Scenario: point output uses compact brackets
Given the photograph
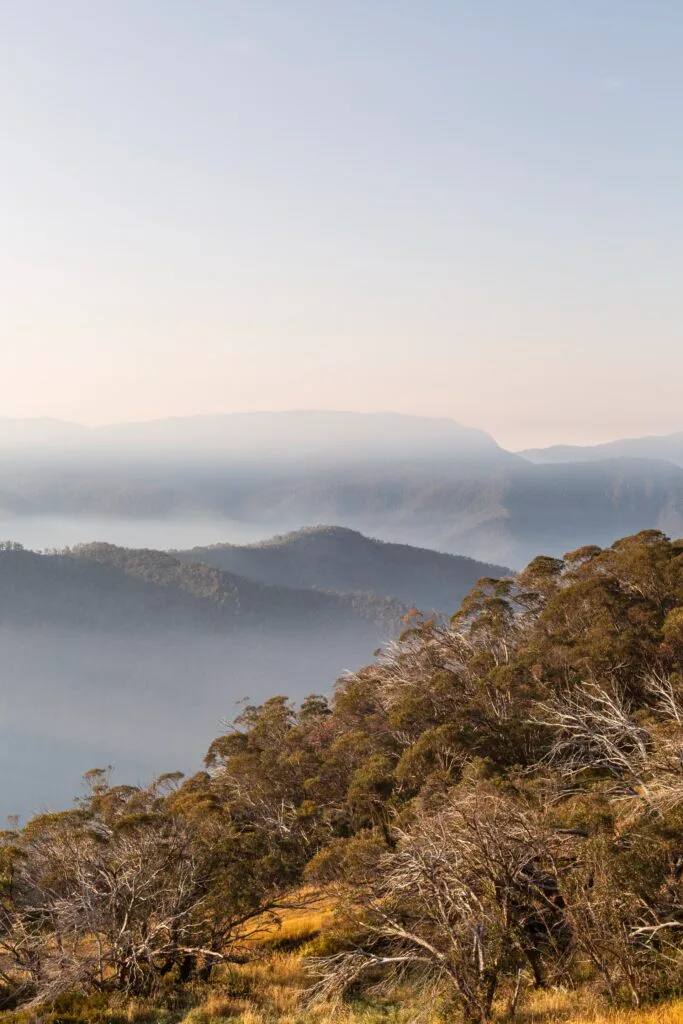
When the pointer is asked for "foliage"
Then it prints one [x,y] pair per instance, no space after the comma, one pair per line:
[107,587]
[496,803]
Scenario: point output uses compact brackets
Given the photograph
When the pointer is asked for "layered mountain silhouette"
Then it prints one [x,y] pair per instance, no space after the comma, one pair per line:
[112,647]
[411,480]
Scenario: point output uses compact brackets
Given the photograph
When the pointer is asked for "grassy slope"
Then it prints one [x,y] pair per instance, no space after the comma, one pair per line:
[271,990]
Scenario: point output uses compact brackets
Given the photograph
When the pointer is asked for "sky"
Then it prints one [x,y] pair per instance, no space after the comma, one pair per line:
[466,208]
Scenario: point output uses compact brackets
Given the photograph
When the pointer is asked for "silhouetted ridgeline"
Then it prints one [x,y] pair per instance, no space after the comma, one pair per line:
[98,642]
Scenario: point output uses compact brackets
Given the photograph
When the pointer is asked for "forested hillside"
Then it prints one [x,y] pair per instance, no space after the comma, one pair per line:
[342,560]
[493,808]
[109,587]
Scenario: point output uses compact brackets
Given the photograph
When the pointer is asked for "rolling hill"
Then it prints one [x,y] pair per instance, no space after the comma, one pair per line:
[342,560]
[101,586]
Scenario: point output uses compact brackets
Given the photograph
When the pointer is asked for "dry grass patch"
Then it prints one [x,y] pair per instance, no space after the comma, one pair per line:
[570,1007]
[292,927]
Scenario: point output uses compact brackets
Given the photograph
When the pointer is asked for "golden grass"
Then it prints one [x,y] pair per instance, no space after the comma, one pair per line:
[565,1007]
[294,926]
[276,989]
[300,926]
[271,993]
[271,989]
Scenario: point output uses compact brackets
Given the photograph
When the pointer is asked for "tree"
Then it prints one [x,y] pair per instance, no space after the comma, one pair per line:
[134,885]
[467,897]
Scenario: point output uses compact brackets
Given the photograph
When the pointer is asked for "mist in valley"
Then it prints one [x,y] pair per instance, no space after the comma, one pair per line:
[43,532]
[185,482]
[341,361]
[71,701]
[99,663]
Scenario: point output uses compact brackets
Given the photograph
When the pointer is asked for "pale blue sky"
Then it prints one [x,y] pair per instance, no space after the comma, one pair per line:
[470,208]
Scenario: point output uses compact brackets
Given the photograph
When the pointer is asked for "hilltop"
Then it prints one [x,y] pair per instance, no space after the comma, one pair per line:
[343,560]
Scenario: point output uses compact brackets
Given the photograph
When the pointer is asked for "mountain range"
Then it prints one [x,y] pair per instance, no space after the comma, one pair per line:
[421,481]
[327,437]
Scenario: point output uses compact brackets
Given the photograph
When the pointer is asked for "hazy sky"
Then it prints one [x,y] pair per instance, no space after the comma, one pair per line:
[470,208]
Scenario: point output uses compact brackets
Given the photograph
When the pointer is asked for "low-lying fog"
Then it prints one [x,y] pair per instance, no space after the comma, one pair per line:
[70,702]
[41,532]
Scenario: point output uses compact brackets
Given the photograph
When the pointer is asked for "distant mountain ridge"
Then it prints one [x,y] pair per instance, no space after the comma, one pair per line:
[343,560]
[664,446]
[262,435]
[421,481]
[315,431]
[110,650]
